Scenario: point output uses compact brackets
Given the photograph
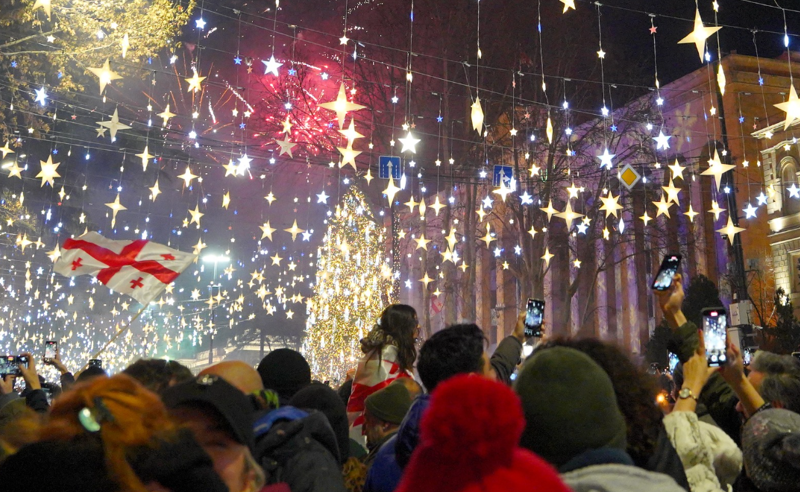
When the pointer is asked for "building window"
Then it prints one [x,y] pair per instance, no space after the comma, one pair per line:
[791,204]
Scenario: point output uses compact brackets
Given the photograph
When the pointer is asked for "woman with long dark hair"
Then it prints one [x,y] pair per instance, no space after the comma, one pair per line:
[389,353]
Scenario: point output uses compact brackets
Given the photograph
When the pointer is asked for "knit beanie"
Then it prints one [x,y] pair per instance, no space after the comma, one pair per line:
[389,404]
[771,448]
[317,396]
[285,371]
[469,438]
[570,406]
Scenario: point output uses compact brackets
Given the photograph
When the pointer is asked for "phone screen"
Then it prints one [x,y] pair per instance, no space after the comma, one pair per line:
[534,318]
[673,362]
[50,348]
[669,267]
[7,365]
[715,328]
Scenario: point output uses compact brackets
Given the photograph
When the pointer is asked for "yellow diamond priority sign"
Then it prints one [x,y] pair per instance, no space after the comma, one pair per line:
[629,176]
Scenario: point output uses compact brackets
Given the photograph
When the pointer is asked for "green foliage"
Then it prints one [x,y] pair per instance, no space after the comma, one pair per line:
[702,293]
[786,332]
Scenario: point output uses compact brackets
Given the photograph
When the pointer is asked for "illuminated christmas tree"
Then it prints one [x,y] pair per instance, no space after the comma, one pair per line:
[353,286]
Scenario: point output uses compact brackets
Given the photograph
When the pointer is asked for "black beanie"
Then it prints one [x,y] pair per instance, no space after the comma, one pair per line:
[285,371]
[570,406]
[318,396]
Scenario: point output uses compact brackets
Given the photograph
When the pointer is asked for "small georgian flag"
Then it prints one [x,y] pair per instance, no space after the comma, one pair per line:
[141,269]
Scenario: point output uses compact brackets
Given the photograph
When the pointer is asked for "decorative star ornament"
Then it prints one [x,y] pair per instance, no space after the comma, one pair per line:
[14,170]
[44,5]
[115,207]
[294,230]
[645,218]
[154,191]
[699,35]
[426,280]
[476,115]
[437,206]
[271,66]
[662,207]
[794,191]
[322,197]
[145,157]
[187,177]
[6,149]
[285,147]
[422,242]
[677,170]
[605,159]
[226,200]
[276,260]
[368,177]
[716,209]
[791,107]
[341,105]
[350,133]
[662,141]
[716,168]
[196,214]
[691,213]
[488,238]
[411,204]
[113,124]
[547,256]
[105,75]
[409,143]
[730,230]
[41,96]
[391,190]
[55,254]
[194,81]
[48,172]
[569,215]
[348,156]
[672,192]
[750,211]
[165,115]
[231,169]
[503,191]
[610,204]
[267,230]
[550,211]
[762,199]
[270,198]
[568,4]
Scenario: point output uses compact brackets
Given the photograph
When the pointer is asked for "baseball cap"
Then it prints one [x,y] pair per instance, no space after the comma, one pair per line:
[234,407]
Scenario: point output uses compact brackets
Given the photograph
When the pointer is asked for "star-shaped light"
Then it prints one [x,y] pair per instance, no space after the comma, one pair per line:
[662,141]
[348,156]
[270,198]
[105,75]
[6,149]
[196,214]
[569,215]
[577,263]
[48,172]
[200,23]
[750,211]
[730,230]
[14,170]
[437,205]
[715,209]
[487,202]
[267,230]
[409,143]
[601,53]
[699,35]
[532,231]
[194,81]
[605,159]
[794,191]
[306,236]
[691,213]
[145,157]
[44,5]
[187,177]
[341,106]
[791,107]
[287,125]
[350,133]
[271,65]
[165,115]
[672,192]
[645,218]
[488,238]
[568,4]
[294,230]
[716,168]
[391,190]
[762,198]
[344,39]
[322,197]
[526,198]
[411,204]
[226,200]
[368,177]
[55,254]
[422,242]
[550,211]
[677,170]
[611,204]
[154,191]
[547,256]
[113,124]
[276,260]
[41,96]
[426,280]
[115,207]
[534,170]
[476,115]
[285,147]
[503,191]
[662,207]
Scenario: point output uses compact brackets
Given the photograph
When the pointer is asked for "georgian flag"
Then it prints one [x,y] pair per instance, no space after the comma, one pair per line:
[141,269]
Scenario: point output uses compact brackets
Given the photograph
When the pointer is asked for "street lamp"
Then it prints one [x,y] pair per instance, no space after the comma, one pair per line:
[215,259]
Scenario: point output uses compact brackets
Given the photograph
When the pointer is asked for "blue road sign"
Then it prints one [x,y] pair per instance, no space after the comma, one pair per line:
[389,165]
[504,173]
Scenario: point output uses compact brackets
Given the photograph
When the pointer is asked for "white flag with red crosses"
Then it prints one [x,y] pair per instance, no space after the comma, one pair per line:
[141,269]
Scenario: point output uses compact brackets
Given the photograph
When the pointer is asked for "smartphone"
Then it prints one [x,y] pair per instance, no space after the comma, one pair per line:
[534,318]
[50,349]
[747,356]
[96,363]
[7,365]
[673,362]
[715,330]
[668,270]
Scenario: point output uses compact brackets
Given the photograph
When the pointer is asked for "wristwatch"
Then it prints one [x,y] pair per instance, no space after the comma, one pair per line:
[686,393]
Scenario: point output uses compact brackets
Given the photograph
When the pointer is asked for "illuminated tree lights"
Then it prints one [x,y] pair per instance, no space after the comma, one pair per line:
[352,287]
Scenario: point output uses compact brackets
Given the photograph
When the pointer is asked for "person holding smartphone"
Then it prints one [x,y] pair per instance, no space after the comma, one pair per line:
[35,398]
[67,378]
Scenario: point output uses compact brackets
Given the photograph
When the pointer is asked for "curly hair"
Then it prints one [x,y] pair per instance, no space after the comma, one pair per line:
[397,325]
[635,391]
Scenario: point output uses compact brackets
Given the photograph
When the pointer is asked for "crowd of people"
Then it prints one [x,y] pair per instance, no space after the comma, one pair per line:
[575,415]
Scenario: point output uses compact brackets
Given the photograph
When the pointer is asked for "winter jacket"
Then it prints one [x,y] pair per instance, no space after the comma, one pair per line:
[665,460]
[384,475]
[299,448]
[614,477]
[717,396]
[701,449]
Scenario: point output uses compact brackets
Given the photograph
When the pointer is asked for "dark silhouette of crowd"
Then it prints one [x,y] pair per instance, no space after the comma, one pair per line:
[444,416]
